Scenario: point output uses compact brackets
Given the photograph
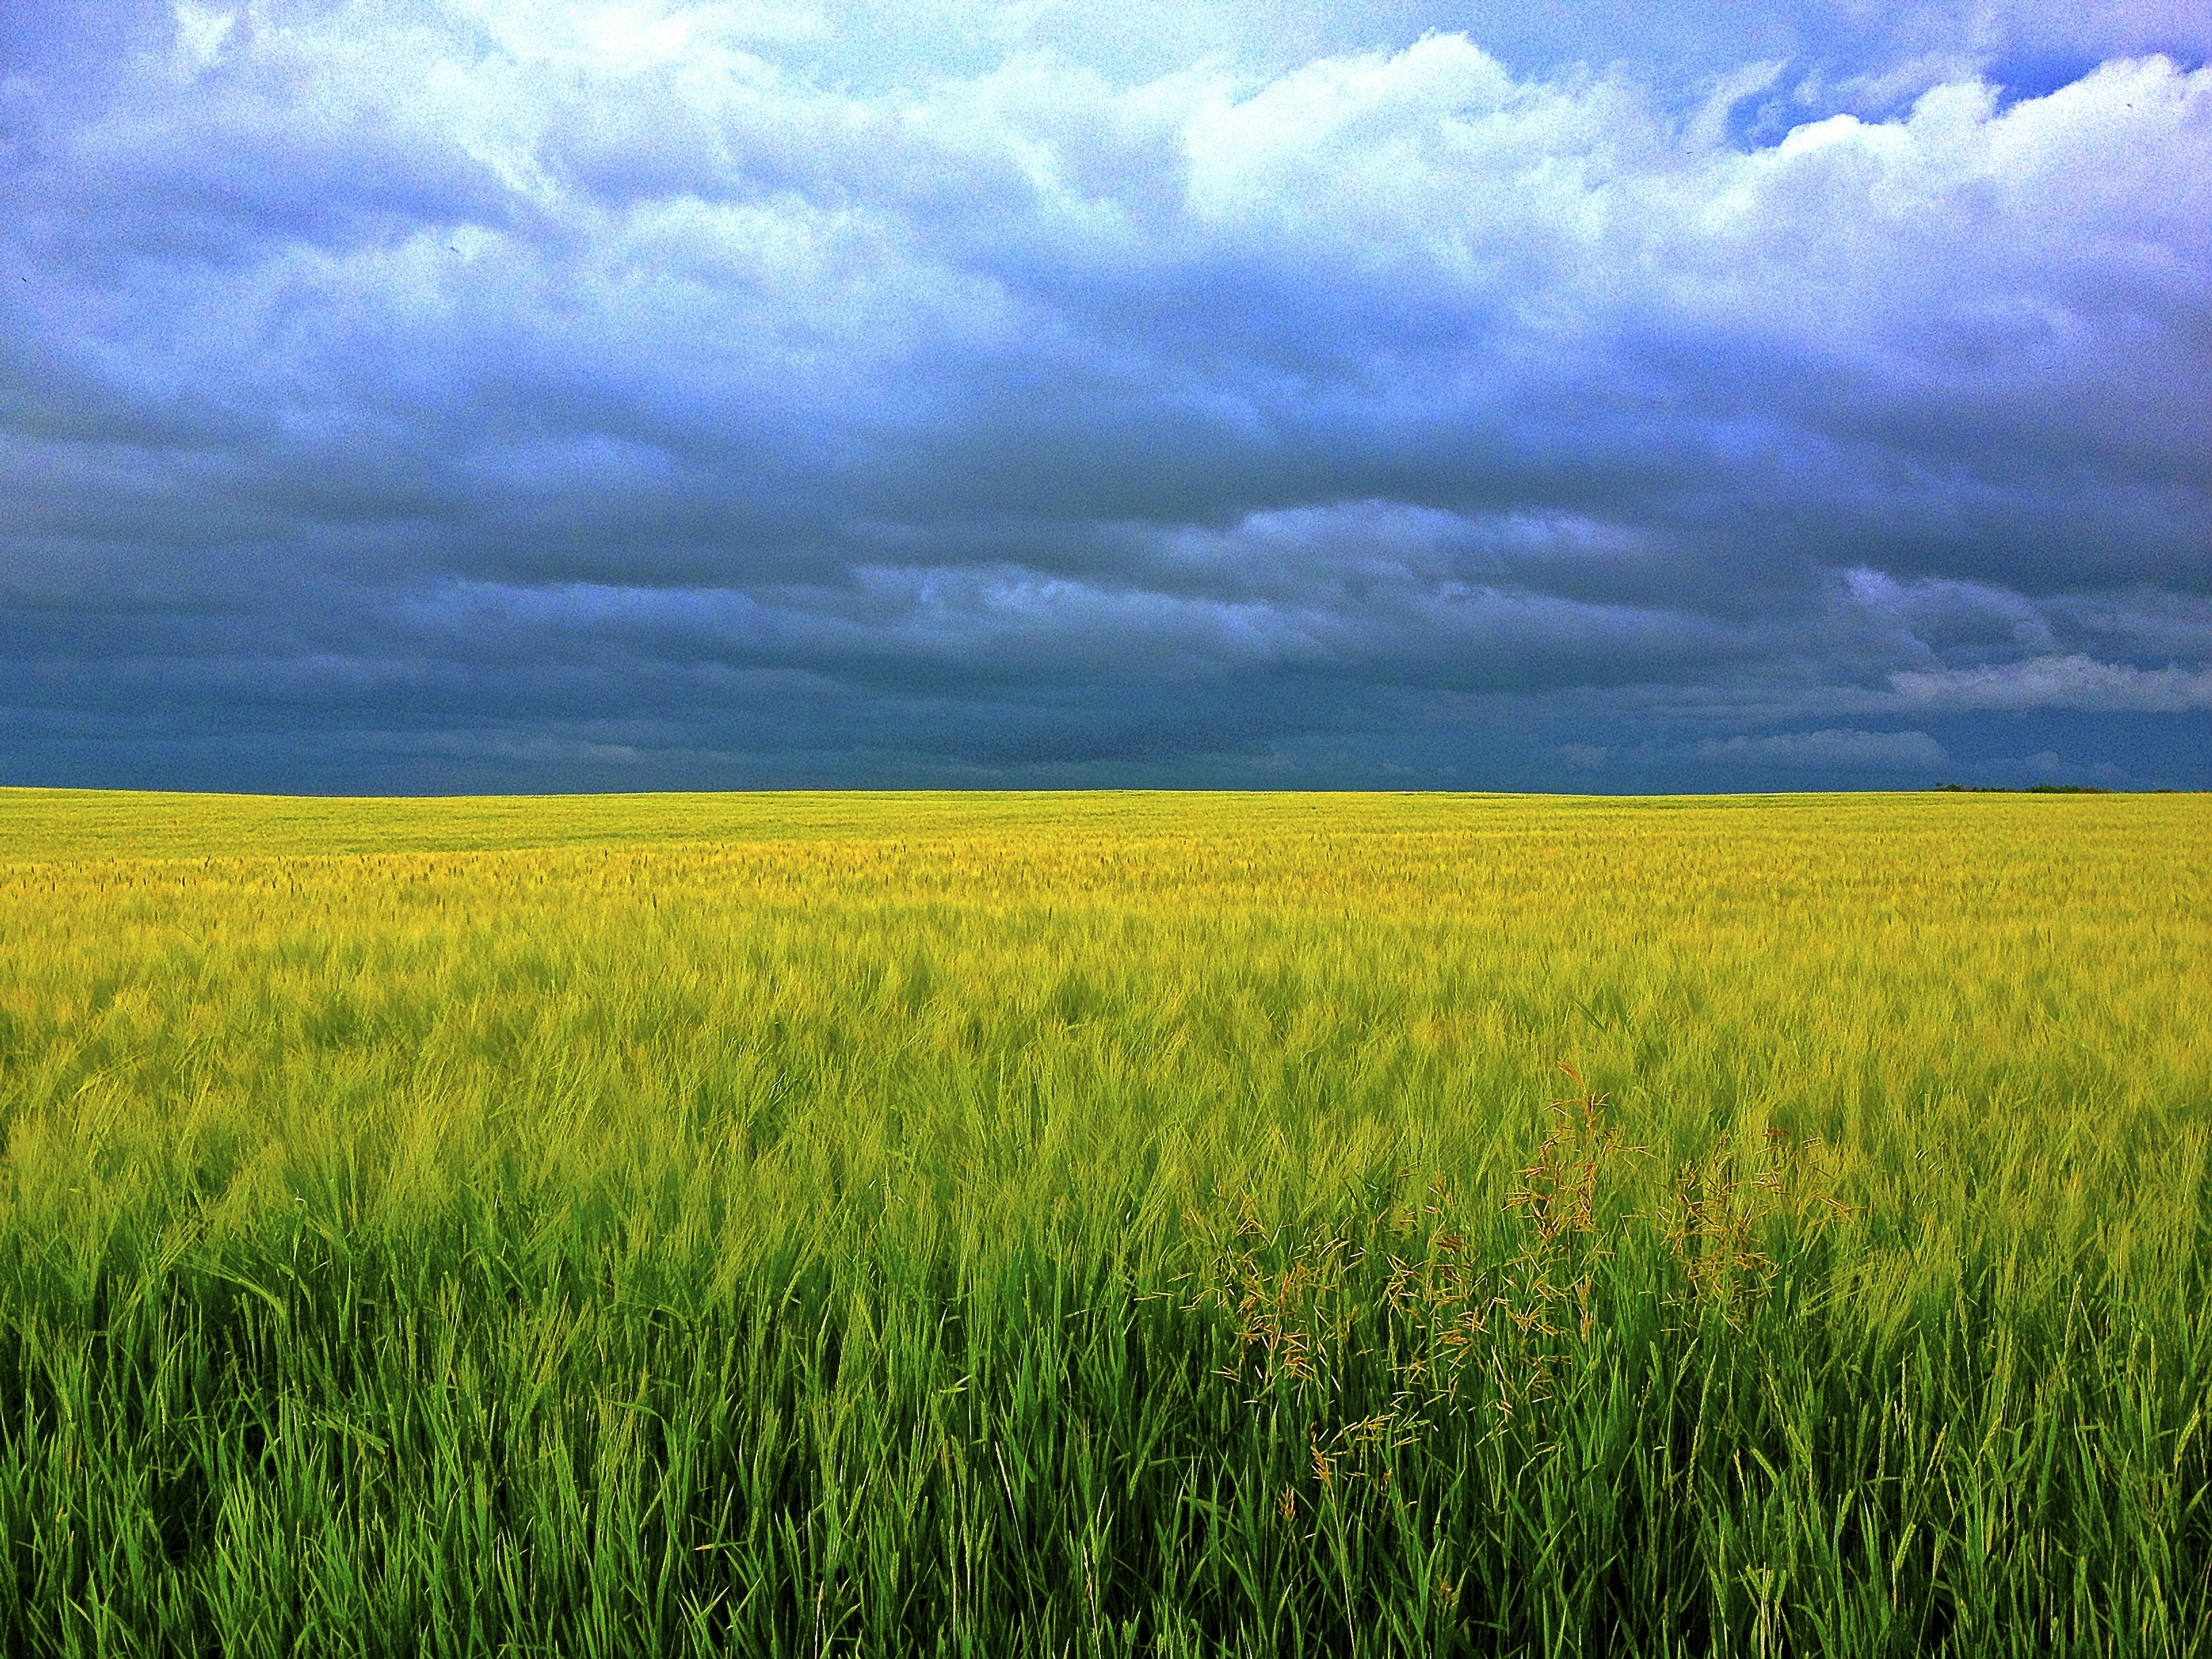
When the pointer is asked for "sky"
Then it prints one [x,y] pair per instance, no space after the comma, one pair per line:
[434,396]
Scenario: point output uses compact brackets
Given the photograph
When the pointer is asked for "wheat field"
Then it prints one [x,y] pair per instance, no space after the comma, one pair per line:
[1008,1225]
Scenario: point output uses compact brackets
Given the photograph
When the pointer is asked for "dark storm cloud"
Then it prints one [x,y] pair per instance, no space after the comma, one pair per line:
[641,393]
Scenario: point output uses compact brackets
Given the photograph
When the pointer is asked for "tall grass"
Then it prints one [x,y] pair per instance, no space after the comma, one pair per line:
[1105,1224]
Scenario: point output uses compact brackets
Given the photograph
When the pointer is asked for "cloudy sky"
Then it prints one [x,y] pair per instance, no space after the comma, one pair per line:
[425,395]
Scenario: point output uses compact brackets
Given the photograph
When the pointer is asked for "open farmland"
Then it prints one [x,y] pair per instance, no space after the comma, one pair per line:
[1102,1223]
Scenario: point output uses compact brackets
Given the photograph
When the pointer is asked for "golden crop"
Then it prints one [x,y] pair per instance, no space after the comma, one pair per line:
[1010,999]
[511,1062]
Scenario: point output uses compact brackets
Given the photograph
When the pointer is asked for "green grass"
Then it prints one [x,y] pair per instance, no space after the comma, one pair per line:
[1105,1224]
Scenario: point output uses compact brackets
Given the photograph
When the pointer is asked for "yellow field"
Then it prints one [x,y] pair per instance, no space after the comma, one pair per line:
[2019,980]
[518,1060]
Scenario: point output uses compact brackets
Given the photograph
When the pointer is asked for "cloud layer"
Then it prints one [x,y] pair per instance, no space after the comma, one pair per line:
[494,394]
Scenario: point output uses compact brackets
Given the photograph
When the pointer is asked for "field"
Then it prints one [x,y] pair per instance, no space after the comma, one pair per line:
[1105,1224]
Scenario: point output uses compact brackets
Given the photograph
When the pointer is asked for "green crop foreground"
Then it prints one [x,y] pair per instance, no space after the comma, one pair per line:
[1048,1224]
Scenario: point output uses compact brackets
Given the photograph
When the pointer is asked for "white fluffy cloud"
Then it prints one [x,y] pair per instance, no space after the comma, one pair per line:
[2069,681]
[1830,750]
